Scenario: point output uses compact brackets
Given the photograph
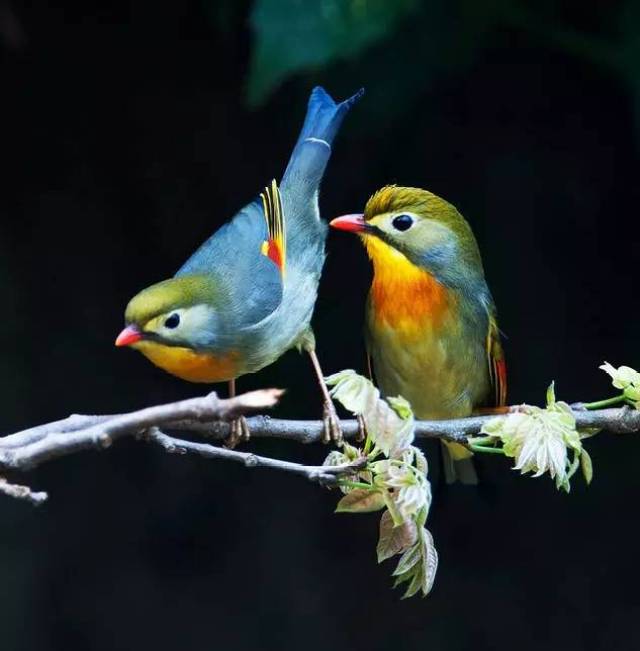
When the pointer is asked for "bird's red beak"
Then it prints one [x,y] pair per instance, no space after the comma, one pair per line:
[351,223]
[128,336]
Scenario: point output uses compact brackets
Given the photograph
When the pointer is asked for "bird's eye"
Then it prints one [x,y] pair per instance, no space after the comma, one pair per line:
[173,321]
[402,222]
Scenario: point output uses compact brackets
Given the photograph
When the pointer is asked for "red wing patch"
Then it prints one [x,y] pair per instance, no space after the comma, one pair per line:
[500,375]
[274,253]
[497,363]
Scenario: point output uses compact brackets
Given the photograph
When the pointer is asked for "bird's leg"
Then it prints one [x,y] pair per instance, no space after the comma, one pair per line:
[239,427]
[362,430]
[332,431]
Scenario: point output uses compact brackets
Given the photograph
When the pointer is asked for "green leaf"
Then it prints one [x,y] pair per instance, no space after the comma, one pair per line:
[551,395]
[387,430]
[392,508]
[586,466]
[401,578]
[421,461]
[424,571]
[350,452]
[335,378]
[292,36]
[401,407]
[421,517]
[394,540]
[588,432]
[408,560]
[335,458]
[539,439]
[429,560]
[564,485]
[494,426]
[414,586]
[379,467]
[418,565]
[361,500]
[354,392]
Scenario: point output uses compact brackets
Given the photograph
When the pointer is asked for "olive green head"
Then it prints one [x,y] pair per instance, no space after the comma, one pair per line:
[421,226]
[175,312]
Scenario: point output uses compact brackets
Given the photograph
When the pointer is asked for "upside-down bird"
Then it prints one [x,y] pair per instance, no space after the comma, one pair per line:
[247,294]
[430,324]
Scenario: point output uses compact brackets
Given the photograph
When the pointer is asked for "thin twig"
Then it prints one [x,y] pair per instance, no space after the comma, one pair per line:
[326,475]
[22,492]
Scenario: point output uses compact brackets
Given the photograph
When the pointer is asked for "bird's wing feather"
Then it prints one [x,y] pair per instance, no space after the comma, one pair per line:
[247,257]
[275,246]
[496,361]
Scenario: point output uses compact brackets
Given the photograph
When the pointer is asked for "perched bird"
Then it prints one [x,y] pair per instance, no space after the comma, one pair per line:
[247,294]
[430,324]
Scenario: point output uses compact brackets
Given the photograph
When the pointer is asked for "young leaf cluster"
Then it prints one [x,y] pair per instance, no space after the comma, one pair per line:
[394,480]
[547,440]
[541,440]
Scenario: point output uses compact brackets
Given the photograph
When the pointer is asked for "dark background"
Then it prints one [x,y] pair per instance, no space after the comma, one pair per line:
[128,133]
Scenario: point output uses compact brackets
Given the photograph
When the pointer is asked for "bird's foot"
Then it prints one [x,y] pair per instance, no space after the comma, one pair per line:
[331,424]
[239,433]
[362,430]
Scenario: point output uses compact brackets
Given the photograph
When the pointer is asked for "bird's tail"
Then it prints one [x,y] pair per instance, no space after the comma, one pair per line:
[313,149]
[458,464]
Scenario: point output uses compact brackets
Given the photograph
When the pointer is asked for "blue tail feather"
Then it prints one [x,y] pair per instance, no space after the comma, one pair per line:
[313,149]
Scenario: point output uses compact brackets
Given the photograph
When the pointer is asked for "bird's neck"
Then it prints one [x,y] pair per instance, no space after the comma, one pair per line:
[402,295]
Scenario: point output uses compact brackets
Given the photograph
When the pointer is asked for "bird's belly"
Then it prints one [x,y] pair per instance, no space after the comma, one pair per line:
[190,365]
[440,376]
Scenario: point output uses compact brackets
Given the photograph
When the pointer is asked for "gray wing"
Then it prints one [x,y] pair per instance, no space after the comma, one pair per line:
[250,282]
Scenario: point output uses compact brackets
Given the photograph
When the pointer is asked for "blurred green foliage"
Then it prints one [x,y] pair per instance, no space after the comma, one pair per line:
[297,35]
[402,45]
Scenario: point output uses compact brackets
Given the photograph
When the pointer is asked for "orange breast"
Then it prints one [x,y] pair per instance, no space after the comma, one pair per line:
[190,365]
[403,296]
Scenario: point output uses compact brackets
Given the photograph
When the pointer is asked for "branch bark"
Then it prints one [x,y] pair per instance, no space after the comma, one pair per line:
[619,421]
[209,416]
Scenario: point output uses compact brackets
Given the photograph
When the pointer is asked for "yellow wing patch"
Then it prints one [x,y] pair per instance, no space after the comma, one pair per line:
[275,247]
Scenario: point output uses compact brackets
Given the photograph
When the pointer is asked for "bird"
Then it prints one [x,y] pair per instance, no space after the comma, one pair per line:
[431,328]
[247,294]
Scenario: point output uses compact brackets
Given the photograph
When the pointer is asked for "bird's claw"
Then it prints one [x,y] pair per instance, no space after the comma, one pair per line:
[331,425]
[239,433]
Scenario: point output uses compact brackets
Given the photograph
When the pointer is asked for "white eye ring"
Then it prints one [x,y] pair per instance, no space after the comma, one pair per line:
[172,321]
[402,222]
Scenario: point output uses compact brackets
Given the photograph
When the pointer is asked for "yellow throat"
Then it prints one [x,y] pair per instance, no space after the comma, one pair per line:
[403,296]
[188,364]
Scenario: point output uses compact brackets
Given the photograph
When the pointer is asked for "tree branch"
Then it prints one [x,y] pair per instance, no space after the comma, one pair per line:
[619,421]
[210,416]
[24,450]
